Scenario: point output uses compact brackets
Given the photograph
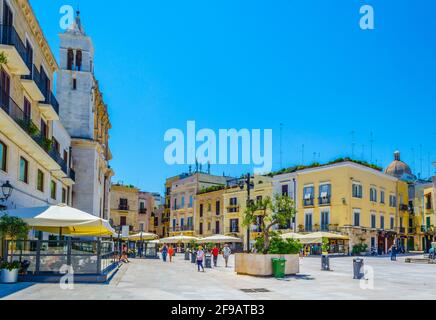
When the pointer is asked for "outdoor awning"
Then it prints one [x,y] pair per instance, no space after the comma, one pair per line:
[219,238]
[317,237]
[142,236]
[177,239]
[62,218]
[291,235]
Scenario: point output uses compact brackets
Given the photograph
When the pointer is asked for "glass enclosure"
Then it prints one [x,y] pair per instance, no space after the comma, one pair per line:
[47,256]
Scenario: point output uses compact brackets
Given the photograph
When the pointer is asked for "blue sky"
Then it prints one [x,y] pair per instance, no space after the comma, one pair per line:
[256,64]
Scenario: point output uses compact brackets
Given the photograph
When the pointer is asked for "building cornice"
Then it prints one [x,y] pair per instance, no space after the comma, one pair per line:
[37,32]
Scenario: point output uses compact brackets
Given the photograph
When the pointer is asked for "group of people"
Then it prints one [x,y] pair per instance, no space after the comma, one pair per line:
[200,255]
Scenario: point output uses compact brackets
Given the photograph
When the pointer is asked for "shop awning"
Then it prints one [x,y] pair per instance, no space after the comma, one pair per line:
[317,237]
[177,239]
[142,236]
[63,219]
[292,235]
[219,238]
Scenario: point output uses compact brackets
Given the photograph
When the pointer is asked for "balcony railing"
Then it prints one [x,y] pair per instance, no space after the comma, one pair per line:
[411,230]
[404,207]
[402,230]
[232,229]
[50,99]
[124,207]
[9,36]
[322,201]
[17,114]
[142,210]
[34,75]
[181,228]
[308,202]
[72,174]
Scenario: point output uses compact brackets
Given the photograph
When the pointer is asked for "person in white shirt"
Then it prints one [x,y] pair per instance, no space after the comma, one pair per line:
[200,257]
[226,253]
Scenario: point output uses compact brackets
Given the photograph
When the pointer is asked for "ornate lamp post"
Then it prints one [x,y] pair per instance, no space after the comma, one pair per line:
[7,189]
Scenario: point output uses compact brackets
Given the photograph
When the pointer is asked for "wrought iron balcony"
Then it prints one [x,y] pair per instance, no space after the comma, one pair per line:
[234,229]
[308,202]
[72,174]
[322,201]
[142,210]
[402,230]
[14,48]
[33,83]
[404,207]
[18,116]
[124,207]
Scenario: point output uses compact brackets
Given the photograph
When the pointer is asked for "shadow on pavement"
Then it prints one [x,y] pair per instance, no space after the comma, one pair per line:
[8,289]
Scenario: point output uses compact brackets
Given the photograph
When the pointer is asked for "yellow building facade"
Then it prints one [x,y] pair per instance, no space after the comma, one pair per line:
[235,203]
[124,204]
[366,204]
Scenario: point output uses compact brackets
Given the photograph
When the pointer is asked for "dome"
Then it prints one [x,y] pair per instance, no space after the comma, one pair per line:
[398,168]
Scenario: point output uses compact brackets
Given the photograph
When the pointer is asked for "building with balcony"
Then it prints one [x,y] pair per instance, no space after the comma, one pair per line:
[235,200]
[286,184]
[209,211]
[425,215]
[35,148]
[366,204]
[183,191]
[124,207]
[85,117]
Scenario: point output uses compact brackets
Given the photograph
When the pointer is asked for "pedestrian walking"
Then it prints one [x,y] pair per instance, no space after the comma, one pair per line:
[164,253]
[226,254]
[393,253]
[171,253]
[200,257]
[215,253]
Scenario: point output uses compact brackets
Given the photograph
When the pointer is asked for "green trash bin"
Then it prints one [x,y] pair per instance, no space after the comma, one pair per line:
[278,265]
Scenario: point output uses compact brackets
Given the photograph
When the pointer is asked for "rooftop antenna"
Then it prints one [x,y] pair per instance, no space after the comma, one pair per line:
[302,154]
[281,150]
[352,143]
[413,160]
[208,167]
[371,141]
[363,152]
[420,159]
[314,157]
[429,165]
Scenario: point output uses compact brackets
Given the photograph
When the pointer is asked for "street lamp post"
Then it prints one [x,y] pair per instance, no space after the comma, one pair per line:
[7,189]
[246,181]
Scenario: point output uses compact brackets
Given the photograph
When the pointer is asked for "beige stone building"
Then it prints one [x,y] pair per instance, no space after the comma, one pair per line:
[183,191]
[209,211]
[35,153]
[124,207]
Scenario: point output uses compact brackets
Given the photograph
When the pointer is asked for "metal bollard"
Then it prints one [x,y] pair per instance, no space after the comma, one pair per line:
[325,262]
[208,260]
[357,268]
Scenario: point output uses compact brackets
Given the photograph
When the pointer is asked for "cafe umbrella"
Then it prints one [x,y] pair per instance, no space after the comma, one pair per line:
[63,220]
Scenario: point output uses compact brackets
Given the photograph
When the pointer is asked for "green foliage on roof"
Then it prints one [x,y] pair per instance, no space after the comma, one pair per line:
[316,164]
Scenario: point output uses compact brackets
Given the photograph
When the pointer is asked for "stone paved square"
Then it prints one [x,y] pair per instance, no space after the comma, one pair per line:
[180,280]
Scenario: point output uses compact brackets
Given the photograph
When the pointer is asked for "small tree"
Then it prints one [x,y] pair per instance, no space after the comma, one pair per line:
[13,228]
[271,212]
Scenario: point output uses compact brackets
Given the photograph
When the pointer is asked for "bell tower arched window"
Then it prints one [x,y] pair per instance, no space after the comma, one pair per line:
[70,59]
[79,60]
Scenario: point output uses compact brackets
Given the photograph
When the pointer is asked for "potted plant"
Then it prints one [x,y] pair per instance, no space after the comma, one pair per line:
[267,213]
[11,228]
[3,58]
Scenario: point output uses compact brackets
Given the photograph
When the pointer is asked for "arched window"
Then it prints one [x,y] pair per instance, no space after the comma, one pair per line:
[70,59]
[79,60]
